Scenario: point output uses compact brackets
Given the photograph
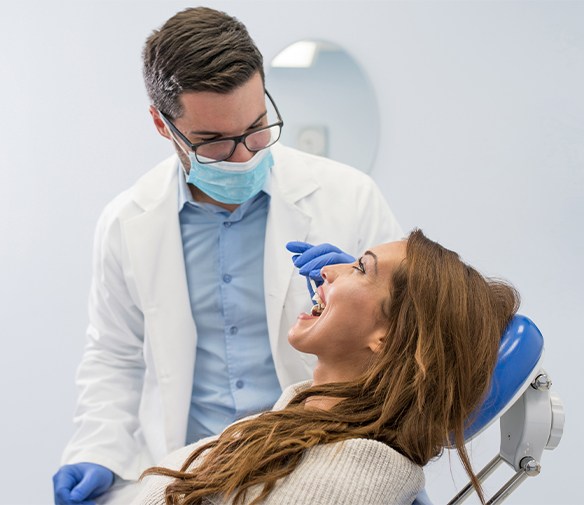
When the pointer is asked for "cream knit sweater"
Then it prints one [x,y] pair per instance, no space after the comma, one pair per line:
[352,472]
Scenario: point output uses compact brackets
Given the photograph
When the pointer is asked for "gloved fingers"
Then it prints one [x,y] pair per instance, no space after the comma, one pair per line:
[84,502]
[63,496]
[95,481]
[316,277]
[314,252]
[63,482]
[298,247]
[82,490]
[104,479]
[317,263]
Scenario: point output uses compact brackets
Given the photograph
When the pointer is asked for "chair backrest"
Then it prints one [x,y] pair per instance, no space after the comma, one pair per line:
[519,361]
[530,415]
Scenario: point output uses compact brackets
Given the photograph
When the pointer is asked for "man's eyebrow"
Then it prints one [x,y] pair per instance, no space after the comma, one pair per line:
[374,256]
[219,134]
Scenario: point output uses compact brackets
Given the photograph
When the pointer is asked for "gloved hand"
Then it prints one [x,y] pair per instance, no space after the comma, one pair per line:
[78,484]
[309,259]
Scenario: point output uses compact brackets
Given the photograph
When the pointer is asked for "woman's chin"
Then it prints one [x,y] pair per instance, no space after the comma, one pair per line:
[300,330]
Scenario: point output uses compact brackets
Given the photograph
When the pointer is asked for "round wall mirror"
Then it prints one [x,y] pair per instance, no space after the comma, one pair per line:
[327,103]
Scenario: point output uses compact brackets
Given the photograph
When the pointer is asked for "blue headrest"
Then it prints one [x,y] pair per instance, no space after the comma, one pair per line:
[519,353]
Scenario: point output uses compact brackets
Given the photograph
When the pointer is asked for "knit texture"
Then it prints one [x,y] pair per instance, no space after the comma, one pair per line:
[352,472]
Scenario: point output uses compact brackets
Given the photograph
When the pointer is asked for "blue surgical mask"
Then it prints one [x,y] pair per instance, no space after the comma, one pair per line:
[230,182]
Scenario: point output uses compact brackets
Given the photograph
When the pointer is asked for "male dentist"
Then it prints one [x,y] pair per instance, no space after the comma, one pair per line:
[193,291]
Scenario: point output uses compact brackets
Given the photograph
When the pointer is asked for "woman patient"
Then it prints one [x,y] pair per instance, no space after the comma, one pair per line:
[406,343]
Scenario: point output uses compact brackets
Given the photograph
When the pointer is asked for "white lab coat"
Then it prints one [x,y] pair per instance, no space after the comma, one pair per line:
[135,378]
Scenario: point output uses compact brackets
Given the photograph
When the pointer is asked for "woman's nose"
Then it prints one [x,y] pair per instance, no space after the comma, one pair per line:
[329,272]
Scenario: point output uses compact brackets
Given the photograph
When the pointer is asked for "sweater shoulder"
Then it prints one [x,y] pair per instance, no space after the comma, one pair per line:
[351,471]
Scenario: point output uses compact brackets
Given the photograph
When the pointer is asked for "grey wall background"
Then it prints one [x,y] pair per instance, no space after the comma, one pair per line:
[481,126]
[335,94]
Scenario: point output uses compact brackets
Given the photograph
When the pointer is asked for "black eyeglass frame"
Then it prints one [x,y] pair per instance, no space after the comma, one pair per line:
[239,139]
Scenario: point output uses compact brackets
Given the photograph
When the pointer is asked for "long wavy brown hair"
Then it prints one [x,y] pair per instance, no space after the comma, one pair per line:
[444,324]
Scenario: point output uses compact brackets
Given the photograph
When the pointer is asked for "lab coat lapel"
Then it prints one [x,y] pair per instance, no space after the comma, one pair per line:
[155,249]
[286,222]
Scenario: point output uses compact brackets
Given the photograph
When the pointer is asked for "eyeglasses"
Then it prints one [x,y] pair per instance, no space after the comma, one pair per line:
[222,149]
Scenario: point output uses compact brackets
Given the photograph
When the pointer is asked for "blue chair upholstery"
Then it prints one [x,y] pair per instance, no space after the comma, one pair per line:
[520,351]
[530,415]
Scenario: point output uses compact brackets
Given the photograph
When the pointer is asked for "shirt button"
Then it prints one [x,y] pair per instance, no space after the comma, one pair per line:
[227,224]
[239,384]
[233,330]
[227,278]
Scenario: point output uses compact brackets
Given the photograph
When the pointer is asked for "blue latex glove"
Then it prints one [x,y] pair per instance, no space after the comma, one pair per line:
[309,259]
[78,484]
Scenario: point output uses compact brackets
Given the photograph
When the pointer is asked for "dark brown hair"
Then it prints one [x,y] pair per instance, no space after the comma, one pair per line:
[198,49]
[444,324]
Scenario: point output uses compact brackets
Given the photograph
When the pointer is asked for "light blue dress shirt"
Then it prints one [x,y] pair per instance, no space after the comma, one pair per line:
[224,258]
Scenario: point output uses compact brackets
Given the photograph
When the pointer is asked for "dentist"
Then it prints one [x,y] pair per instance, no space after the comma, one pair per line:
[193,291]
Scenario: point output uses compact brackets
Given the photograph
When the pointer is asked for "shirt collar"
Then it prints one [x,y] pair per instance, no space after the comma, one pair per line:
[184,193]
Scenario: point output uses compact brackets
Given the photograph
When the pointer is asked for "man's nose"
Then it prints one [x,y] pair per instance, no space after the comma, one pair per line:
[241,154]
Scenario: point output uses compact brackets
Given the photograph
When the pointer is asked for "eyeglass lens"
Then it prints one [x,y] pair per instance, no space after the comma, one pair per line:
[256,141]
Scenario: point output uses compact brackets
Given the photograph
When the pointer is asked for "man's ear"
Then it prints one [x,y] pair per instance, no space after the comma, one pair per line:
[159,123]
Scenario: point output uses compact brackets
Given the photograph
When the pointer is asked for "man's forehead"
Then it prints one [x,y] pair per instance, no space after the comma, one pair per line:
[210,110]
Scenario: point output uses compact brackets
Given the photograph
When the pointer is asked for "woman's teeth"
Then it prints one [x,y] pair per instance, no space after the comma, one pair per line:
[318,307]
[317,310]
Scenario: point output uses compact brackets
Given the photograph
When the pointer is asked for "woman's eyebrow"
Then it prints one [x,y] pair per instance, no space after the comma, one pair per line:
[374,256]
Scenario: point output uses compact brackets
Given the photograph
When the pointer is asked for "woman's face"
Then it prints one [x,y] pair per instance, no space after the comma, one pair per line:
[352,325]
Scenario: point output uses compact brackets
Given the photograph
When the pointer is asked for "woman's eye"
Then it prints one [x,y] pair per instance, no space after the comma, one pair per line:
[361,267]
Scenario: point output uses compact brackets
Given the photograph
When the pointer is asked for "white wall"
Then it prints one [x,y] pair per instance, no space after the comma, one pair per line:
[482,116]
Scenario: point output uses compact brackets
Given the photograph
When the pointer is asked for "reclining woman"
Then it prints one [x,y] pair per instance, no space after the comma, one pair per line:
[408,335]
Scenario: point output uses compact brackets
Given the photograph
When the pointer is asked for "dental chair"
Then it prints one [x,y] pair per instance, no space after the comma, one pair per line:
[531,417]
